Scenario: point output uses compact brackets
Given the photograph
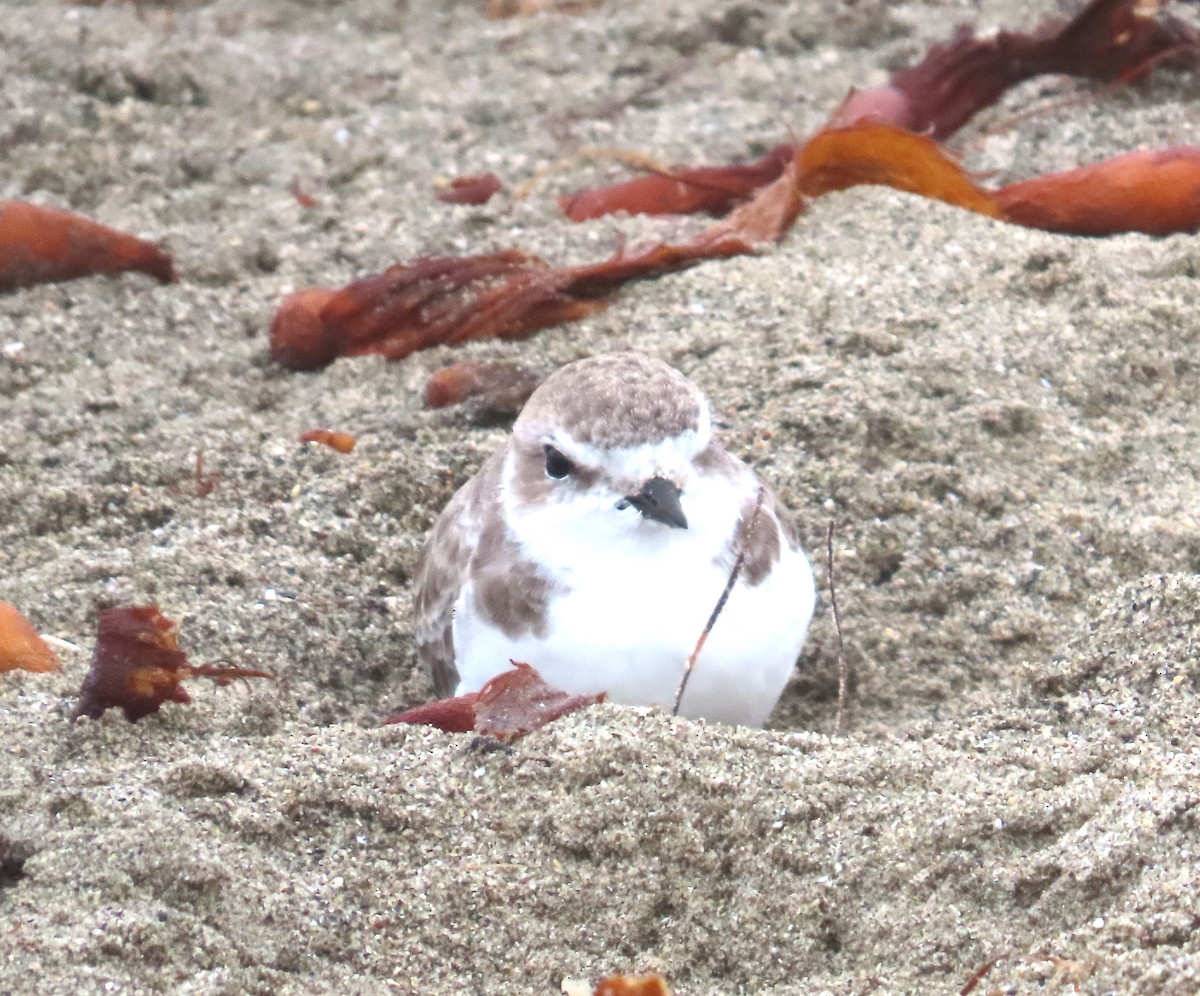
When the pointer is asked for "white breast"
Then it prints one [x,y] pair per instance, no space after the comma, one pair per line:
[638,594]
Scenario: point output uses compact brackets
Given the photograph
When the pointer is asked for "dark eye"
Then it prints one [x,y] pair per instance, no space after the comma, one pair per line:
[557,465]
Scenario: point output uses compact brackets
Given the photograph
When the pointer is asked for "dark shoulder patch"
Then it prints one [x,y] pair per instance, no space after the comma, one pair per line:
[762,545]
[774,527]
[509,590]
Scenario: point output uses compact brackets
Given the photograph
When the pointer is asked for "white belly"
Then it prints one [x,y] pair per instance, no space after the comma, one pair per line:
[632,616]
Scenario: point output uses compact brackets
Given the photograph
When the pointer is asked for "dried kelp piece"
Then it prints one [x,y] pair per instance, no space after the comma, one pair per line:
[1114,40]
[511,294]
[478,188]
[686,190]
[137,665]
[1156,191]
[1107,40]
[506,295]
[511,705]
[299,339]
[497,389]
[342,442]
[21,648]
[423,303]
[44,245]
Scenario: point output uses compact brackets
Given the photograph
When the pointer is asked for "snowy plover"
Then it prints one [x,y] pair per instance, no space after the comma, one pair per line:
[595,542]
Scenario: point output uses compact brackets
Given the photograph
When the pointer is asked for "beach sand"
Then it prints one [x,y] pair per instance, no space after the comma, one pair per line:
[1004,425]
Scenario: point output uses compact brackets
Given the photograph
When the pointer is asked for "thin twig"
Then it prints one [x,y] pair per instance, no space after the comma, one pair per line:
[837,622]
[733,576]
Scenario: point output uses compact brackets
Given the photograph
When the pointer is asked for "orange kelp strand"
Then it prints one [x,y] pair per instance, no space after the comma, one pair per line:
[1154,191]
[44,245]
[873,153]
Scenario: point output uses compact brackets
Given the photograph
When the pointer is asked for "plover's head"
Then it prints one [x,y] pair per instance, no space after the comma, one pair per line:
[611,444]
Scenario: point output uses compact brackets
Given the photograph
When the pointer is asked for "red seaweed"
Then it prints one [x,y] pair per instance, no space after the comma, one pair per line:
[137,665]
[423,303]
[1156,191]
[507,295]
[872,139]
[1108,40]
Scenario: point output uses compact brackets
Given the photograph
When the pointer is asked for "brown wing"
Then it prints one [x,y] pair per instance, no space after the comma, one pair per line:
[443,569]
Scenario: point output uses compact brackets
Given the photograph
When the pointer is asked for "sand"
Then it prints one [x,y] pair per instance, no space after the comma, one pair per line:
[1004,425]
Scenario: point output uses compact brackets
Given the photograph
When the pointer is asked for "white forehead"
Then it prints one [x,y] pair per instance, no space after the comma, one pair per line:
[669,457]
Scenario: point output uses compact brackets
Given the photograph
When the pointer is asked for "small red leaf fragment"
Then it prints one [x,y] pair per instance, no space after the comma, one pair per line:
[137,665]
[1153,191]
[498,388]
[511,705]
[44,245]
[20,645]
[343,442]
[299,190]
[518,702]
[632,985]
[478,188]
